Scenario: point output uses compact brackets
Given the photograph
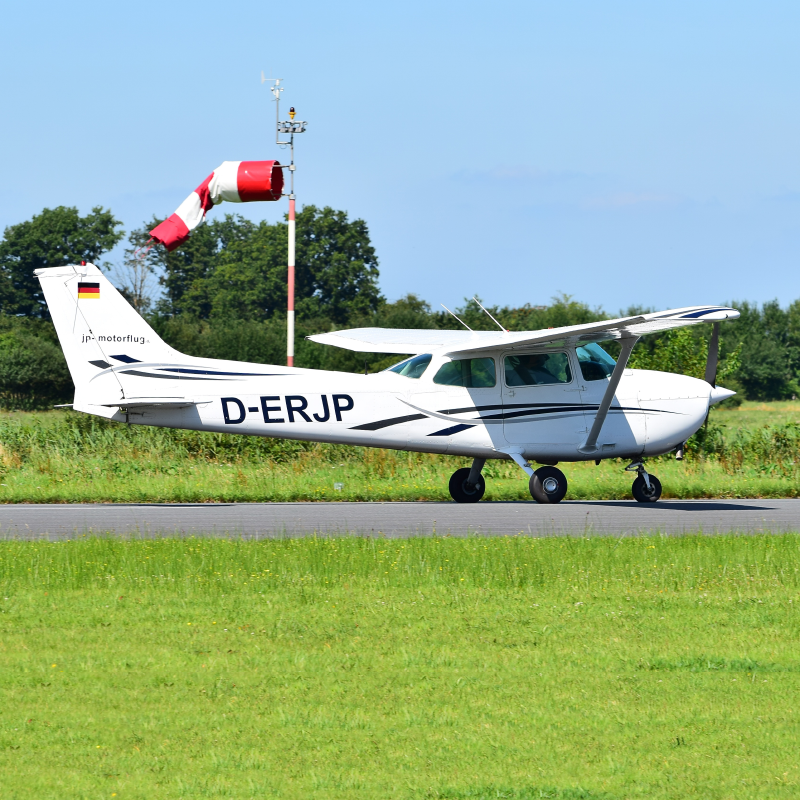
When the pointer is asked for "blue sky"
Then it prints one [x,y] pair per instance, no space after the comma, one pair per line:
[621,152]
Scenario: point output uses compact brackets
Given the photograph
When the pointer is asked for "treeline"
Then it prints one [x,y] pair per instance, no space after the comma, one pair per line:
[223,295]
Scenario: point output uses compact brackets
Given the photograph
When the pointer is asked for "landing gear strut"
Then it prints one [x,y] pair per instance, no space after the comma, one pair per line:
[468,485]
[646,488]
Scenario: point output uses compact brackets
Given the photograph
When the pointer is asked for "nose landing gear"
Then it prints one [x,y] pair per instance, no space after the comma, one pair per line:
[646,488]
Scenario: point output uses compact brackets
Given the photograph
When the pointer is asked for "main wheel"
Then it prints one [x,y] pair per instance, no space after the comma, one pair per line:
[462,491]
[548,485]
[644,495]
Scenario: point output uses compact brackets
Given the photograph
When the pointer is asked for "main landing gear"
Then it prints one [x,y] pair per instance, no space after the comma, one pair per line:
[548,485]
[468,485]
[646,488]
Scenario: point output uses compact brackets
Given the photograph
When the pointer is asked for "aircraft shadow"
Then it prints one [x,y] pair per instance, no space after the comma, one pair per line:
[671,505]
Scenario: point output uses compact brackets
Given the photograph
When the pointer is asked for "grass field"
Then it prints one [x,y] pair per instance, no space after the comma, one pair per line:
[756,415]
[427,668]
[56,457]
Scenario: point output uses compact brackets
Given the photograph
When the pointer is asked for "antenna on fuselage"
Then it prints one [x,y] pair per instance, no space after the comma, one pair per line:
[505,330]
[460,320]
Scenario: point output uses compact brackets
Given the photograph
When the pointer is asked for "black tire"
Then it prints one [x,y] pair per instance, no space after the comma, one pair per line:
[641,493]
[464,492]
[548,485]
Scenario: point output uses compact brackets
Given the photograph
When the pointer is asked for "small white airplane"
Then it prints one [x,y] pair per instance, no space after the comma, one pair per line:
[531,396]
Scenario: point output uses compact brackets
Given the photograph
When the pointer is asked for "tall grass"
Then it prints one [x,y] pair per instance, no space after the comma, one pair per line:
[593,565]
[772,448]
[71,457]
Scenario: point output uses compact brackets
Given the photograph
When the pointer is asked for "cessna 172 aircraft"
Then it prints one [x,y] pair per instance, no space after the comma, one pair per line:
[530,396]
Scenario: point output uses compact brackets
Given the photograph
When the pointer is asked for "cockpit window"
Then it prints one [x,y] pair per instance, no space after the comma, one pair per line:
[412,367]
[473,373]
[595,363]
[536,369]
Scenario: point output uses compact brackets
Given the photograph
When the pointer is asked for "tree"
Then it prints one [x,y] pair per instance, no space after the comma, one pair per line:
[770,349]
[54,238]
[407,312]
[685,351]
[135,274]
[338,275]
[33,371]
[185,273]
[236,269]
[562,311]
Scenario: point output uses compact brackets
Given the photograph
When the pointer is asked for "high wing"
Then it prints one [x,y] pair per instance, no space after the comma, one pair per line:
[412,342]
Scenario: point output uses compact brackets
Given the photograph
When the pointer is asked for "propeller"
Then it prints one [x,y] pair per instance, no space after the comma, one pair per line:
[711,378]
[713,356]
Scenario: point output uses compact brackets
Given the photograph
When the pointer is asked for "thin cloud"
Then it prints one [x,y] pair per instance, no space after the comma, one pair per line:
[786,197]
[522,175]
[631,199]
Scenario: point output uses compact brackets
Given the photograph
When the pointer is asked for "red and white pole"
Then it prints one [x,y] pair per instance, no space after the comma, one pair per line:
[290,311]
[291,128]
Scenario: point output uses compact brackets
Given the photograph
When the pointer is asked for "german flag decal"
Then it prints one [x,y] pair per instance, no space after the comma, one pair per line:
[88,291]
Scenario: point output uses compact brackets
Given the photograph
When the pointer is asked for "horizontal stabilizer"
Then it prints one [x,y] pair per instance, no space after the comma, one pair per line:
[146,402]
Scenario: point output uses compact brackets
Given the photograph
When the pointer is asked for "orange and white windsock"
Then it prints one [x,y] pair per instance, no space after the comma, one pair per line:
[234,181]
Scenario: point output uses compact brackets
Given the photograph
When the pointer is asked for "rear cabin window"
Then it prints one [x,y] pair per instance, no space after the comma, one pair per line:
[537,369]
[595,363]
[412,367]
[472,373]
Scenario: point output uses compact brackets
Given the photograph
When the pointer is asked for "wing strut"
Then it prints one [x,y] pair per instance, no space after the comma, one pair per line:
[590,445]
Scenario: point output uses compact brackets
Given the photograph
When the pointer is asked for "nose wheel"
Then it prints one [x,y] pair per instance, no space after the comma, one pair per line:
[548,485]
[646,488]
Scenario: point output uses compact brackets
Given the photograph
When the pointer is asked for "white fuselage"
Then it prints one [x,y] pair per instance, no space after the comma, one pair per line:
[652,412]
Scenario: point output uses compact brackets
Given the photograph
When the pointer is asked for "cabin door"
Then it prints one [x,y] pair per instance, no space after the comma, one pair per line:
[541,400]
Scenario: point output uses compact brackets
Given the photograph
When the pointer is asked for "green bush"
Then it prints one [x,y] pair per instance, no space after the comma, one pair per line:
[773,448]
[33,371]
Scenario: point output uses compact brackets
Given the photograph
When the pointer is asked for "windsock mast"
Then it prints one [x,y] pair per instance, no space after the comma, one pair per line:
[291,128]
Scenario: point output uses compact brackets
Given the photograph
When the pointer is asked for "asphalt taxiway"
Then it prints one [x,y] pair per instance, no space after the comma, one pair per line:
[272,520]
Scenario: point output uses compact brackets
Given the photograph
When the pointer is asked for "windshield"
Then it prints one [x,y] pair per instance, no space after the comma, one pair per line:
[412,367]
[595,363]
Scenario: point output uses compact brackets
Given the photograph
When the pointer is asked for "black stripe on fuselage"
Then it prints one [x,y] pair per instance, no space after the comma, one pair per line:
[527,409]
[201,376]
[209,372]
[125,359]
[385,423]
[452,430]
[140,374]
[533,412]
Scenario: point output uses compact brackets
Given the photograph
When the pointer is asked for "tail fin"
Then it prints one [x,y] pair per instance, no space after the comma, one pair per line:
[98,329]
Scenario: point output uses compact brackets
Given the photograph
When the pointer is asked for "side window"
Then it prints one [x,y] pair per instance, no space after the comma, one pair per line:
[412,367]
[537,369]
[595,363]
[473,373]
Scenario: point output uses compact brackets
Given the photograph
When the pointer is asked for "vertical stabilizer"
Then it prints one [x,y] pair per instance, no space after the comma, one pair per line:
[98,329]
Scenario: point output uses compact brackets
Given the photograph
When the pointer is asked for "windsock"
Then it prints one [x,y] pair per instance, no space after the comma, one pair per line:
[234,181]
